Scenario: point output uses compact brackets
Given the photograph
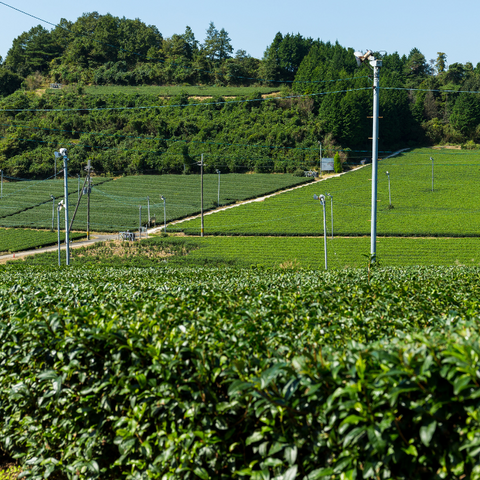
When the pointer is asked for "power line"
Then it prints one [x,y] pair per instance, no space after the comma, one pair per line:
[315,149]
[175,64]
[148,107]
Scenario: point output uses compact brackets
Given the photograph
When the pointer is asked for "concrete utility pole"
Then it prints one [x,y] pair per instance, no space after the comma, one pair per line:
[63,152]
[376,64]
[58,229]
[88,169]
[201,195]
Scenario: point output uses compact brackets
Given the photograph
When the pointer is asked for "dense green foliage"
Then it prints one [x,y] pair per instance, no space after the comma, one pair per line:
[187,373]
[450,210]
[114,204]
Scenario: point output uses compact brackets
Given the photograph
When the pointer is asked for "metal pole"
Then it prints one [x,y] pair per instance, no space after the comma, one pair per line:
[201,195]
[89,187]
[389,191]
[376,83]
[320,168]
[432,172]
[65,188]
[55,167]
[218,202]
[331,209]
[148,206]
[164,215]
[53,212]
[78,186]
[58,228]
[140,222]
[322,201]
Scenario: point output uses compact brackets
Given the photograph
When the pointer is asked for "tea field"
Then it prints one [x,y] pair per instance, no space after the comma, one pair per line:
[452,209]
[18,239]
[274,252]
[115,203]
[165,372]
[170,91]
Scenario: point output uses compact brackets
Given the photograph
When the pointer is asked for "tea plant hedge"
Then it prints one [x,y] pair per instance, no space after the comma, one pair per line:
[221,373]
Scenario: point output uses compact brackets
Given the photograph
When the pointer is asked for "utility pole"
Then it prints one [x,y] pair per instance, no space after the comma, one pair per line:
[78,186]
[140,222]
[320,166]
[201,195]
[376,111]
[88,169]
[431,158]
[218,202]
[164,214]
[65,188]
[331,209]
[58,229]
[322,203]
[1,193]
[376,64]
[53,209]
[148,206]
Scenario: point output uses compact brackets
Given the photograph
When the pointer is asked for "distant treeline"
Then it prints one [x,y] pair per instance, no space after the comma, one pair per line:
[421,102]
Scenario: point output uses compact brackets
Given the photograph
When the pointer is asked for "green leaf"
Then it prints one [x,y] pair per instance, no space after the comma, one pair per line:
[290,474]
[427,430]
[291,454]
[255,437]
[202,473]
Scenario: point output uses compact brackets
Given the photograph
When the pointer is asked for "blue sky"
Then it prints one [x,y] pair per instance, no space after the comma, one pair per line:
[252,24]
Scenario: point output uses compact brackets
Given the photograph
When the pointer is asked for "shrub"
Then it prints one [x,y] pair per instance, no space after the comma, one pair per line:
[337,163]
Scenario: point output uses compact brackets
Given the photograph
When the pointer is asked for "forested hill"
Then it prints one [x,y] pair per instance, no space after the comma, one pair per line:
[422,101]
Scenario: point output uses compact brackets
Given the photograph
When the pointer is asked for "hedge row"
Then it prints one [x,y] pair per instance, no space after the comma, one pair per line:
[162,374]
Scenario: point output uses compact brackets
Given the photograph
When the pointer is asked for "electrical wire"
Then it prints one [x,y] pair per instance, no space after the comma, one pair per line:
[174,64]
[202,104]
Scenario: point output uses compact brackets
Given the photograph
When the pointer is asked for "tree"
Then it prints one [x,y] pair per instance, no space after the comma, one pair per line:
[441,62]
[466,114]
[9,81]
[217,45]
[32,51]
[337,163]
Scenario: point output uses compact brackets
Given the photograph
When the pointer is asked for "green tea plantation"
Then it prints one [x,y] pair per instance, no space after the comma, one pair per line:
[221,373]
